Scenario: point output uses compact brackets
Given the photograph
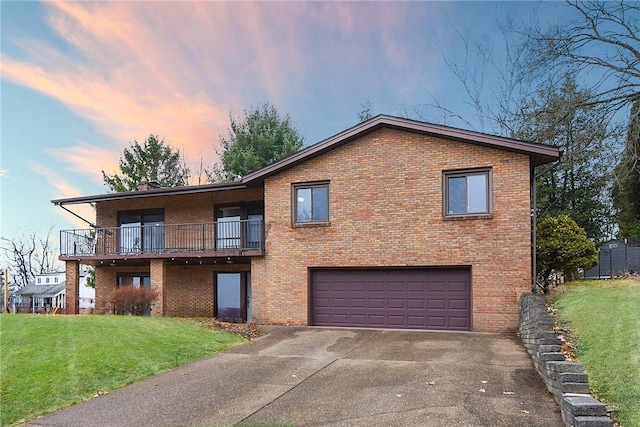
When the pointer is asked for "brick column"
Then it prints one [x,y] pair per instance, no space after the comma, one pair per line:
[72,287]
[158,274]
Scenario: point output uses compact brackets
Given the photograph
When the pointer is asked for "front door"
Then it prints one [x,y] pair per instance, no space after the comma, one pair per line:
[232,292]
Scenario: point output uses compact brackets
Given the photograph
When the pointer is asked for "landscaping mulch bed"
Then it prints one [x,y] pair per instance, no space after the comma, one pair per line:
[247,331]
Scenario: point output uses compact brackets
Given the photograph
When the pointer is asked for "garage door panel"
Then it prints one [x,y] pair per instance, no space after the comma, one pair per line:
[437,286]
[358,319]
[340,302]
[358,302]
[416,304]
[415,322]
[376,303]
[393,298]
[340,319]
[459,323]
[458,304]
[397,321]
[358,286]
[461,287]
[396,303]
[436,304]
[415,287]
[436,322]
[376,321]
[376,287]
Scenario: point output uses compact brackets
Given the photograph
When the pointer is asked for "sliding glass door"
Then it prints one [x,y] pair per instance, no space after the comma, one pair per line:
[141,232]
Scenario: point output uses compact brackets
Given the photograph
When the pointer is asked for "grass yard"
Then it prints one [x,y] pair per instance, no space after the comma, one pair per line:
[49,362]
[604,317]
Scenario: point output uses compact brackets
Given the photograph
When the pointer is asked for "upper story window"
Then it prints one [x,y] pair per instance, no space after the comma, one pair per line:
[310,203]
[467,192]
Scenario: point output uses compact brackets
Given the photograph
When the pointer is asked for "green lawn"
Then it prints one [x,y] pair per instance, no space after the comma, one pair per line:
[604,317]
[49,362]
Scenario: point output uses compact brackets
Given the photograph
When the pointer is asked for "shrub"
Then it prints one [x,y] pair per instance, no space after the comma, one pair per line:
[563,247]
[134,300]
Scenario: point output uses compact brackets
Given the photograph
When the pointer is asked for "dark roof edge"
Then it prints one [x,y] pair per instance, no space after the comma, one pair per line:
[548,152]
[190,189]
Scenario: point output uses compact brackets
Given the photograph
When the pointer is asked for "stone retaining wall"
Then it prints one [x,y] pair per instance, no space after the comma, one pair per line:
[565,379]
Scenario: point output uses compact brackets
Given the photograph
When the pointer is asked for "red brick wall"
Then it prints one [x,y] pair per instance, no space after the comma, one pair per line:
[386,210]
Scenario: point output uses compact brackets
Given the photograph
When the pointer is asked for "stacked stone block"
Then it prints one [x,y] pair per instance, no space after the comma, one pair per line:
[565,379]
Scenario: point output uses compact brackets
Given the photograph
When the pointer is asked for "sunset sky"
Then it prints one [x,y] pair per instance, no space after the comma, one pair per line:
[81,80]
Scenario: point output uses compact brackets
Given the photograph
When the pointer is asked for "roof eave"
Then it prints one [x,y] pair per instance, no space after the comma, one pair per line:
[194,189]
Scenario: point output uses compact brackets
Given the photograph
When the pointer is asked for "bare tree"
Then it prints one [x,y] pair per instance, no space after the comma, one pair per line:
[603,42]
[528,98]
[367,111]
[603,45]
[29,254]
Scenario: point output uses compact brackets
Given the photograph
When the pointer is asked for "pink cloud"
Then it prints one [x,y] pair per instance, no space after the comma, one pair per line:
[176,69]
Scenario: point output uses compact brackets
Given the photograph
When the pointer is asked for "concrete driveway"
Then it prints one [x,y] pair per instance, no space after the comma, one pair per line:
[336,377]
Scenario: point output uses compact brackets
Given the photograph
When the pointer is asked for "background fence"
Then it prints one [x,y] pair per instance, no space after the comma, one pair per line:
[616,258]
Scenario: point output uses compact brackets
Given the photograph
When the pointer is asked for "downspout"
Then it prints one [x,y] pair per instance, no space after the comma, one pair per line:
[534,243]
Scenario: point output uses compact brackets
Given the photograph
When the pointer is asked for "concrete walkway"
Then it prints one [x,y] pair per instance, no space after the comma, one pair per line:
[336,377]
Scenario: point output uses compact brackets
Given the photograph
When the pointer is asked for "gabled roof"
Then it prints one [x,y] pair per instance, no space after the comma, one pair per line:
[538,153]
[41,290]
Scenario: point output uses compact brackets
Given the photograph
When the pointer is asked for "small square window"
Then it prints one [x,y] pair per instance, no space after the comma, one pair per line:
[310,203]
[467,193]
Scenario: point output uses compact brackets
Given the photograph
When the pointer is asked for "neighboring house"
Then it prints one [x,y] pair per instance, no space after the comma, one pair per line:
[48,292]
[392,223]
[615,258]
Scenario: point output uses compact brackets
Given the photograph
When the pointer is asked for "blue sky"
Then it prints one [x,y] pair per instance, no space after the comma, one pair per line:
[81,80]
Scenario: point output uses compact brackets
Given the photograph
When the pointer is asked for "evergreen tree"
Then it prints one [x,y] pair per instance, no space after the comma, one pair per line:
[581,184]
[258,139]
[626,195]
[154,160]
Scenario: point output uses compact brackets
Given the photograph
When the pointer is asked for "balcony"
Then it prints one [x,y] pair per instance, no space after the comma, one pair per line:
[202,240]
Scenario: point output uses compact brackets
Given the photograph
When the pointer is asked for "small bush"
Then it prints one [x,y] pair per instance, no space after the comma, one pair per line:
[134,300]
[563,247]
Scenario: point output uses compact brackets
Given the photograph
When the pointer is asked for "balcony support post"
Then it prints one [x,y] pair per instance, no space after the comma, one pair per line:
[158,277]
[72,287]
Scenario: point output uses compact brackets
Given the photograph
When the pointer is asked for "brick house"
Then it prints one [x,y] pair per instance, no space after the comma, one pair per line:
[392,223]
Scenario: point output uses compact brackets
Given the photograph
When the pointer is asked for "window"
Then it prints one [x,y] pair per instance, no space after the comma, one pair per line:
[134,279]
[310,203]
[467,192]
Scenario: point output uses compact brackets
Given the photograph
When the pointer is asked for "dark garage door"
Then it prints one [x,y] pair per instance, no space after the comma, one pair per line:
[392,298]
